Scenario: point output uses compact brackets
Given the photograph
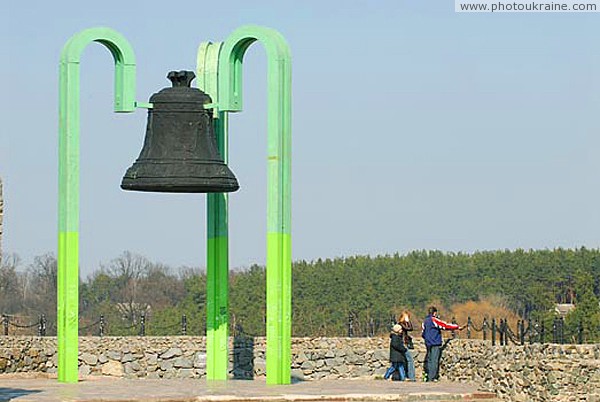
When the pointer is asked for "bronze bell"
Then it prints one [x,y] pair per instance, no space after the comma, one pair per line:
[180,153]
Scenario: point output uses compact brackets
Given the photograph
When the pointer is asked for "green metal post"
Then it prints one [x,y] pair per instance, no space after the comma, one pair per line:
[279,261]
[217,252]
[68,178]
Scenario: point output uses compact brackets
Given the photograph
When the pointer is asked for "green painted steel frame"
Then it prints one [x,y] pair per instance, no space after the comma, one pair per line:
[217,250]
[220,74]
[221,77]
[68,178]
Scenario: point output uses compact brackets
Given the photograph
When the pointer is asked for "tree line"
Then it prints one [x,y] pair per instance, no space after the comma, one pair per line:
[326,293]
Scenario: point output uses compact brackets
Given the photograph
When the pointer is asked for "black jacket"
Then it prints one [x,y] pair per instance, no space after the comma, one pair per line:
[397,349]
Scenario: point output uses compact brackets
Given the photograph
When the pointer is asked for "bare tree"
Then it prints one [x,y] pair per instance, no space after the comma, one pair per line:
[10,260]
[128,270]
[40,286]
[160,288]
[11,285]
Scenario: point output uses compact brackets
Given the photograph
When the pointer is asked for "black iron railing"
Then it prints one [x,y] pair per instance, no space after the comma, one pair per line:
[498,332]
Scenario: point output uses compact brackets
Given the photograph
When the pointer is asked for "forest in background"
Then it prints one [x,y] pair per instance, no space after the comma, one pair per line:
[513,285]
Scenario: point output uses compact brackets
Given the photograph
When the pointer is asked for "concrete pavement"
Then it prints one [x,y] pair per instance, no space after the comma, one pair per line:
[105,389]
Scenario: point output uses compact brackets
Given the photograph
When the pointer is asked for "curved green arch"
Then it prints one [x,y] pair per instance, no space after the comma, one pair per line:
[230,66]
[123,56]
[68,178]
[220,75]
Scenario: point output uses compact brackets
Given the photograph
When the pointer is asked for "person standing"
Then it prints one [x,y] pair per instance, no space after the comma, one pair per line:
[397,354]
[407,326]
[432,334]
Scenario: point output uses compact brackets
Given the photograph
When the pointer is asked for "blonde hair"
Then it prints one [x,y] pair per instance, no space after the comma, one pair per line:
[405,316]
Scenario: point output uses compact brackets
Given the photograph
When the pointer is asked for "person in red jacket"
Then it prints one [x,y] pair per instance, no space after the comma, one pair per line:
[432,334]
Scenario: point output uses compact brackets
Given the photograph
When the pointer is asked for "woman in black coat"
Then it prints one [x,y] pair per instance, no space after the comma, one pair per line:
[397,354]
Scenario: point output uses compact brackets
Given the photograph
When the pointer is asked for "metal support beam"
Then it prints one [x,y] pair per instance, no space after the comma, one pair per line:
[227,97]
[217,251]
[68,178]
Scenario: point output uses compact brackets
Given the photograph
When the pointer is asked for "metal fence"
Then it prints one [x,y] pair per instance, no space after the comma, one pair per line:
[497,331]
[500,332]
[12,324]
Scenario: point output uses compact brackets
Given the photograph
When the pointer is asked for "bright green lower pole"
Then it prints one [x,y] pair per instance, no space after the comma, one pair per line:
[278,354]
[68,306]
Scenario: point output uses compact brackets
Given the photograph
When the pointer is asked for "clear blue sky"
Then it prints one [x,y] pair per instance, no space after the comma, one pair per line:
[414,127]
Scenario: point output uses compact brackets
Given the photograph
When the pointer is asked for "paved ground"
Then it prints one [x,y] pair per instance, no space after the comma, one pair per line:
[107,389]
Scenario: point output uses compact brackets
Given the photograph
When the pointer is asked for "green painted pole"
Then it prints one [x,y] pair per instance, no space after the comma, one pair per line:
[68,178]
[279,262]
[217,271]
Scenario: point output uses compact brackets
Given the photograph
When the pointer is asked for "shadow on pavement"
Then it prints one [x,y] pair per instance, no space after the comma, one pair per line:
[243,356]
[296,380]
[6,394]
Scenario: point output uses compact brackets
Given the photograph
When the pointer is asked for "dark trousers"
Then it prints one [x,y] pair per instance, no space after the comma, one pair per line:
[432,362]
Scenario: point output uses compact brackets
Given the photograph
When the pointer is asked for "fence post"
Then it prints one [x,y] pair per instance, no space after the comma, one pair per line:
[101,326]
[350,325]
[522,332]
[542,332]
[484,327]
[5,324]
[555,330]
[580,332]
[493,332]
[454,334]
[183,325]
[469,323]
[562,331]
[42,325]
[143,325]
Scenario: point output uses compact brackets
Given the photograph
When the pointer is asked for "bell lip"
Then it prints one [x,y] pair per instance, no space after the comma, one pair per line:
[197,176]
[170,187]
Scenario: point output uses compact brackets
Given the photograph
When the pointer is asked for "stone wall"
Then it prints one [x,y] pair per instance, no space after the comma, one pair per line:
[1,215]
[539,372]
[520,373]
